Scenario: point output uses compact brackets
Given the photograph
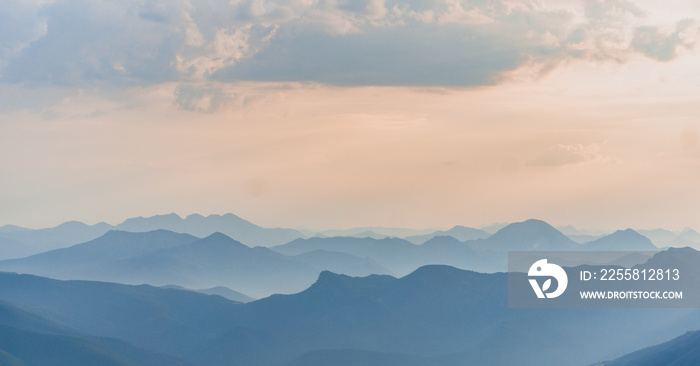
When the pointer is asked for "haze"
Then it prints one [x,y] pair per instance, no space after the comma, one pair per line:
[351,113]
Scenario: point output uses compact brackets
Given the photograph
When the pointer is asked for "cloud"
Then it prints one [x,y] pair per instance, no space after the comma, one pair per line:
[562,155]
[652,42]
[419,55]
[339,42]
[210,98]
[20,24]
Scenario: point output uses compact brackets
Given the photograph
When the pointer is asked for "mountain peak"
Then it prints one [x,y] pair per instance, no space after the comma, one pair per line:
[683,249]
[221,240]
[622,240]
[194,216]
[437,271]
[529,235]
[626,233]
[330,282]
[528,226]
[218,235]
[443,239]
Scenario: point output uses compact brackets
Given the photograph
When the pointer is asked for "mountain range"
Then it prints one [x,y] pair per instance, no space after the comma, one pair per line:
[460,233]
[437,315]
[163,257]
[18,242]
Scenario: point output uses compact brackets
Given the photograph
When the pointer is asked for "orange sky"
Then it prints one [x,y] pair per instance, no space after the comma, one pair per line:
[609,143]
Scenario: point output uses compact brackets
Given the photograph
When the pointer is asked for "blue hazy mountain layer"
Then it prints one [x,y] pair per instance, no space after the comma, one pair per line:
[19,242]
[163,257]
[29,339]
[681,351]
[437,315]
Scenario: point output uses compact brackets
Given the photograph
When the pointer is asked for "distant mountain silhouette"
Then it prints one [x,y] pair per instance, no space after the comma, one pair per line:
[163,257]
[21,243]
[460,233]
[340,262]
[691,235]
[493,228]
[621,240]
[665,238]
[92,257]
[200,226]
[660,237]
[11,228]
[526,236]
[688,237]
[450,251]
[376,232]
[399,256]
[18,242]
[402,257]
[681,351]
[217,260]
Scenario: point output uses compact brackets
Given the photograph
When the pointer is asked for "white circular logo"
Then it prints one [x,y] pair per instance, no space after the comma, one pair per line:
[543,269]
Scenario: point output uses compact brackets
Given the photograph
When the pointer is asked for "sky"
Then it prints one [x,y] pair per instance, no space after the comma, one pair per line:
[345,113]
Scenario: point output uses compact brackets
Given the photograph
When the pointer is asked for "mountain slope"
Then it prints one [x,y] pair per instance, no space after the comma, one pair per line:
[222,291]
[621,240]
[160,320]
[217,260]
[201,226]
[398,255]
[440,310]
[688,237]
[660,237]
[681,351]
[460,233]
[526,236]
[18,242]
[348,357]
[163,257]
[437,313]
[29,339]
[342,263]
[20,347]
[81,259]
[22,243]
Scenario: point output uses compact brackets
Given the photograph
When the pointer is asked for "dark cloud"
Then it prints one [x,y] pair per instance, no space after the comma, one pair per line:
[96,41]
[419,55]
